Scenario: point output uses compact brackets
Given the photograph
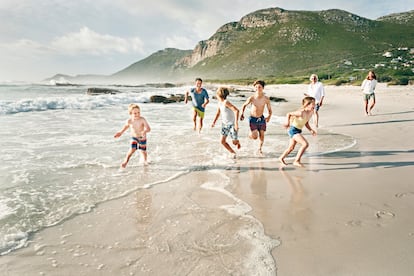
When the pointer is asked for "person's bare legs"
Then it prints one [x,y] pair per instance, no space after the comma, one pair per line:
[237,143]
[200,124]
[261,141]
[304,145]
[254,134]
[226,145]
[128,156]
[290,148]
[371,106]
[144,156]
[316,118]
[366,107]
[195,119]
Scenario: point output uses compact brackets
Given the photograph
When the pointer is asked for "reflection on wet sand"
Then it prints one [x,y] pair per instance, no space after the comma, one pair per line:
[298,215]
[258,180]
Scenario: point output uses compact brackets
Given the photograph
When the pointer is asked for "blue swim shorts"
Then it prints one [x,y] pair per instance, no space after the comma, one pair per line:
[293,130]
[139,143]
[257,123]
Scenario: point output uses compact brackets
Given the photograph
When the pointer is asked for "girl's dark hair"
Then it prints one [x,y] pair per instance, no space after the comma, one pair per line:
[373,75]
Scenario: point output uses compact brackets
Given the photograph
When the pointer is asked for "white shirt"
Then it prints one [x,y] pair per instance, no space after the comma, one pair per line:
[227,115]
[316,90]
[368,86]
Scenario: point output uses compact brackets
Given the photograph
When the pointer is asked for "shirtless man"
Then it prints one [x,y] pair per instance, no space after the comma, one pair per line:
[257,121]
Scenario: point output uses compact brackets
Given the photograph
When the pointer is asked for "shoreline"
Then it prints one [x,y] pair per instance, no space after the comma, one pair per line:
[345,213]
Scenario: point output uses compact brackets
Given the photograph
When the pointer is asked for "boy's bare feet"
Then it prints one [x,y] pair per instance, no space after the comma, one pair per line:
[298,164]
[282,161]
[124,164]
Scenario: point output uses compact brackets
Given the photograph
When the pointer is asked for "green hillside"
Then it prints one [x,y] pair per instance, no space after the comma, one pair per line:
[276,43]
[157,67]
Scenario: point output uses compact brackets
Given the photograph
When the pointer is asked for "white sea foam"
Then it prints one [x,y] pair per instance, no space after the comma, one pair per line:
[59,157]
[5,210]
[260,260]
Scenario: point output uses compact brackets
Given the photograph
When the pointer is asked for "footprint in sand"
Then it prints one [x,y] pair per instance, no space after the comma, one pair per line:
[384,214]
[399,195]
[354,223]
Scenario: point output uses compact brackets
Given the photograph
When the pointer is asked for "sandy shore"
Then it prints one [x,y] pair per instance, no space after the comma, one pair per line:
[345,213]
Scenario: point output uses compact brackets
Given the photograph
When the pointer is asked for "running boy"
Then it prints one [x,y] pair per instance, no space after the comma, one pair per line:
[139,129]
[229,120]
[199,99]
[257,121]
[300,119]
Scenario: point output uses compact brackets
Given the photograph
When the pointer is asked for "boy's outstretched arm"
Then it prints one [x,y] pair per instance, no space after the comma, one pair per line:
[119,133]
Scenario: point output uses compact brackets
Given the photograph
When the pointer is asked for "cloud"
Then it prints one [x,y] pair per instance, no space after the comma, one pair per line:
[179,42]
[87,41]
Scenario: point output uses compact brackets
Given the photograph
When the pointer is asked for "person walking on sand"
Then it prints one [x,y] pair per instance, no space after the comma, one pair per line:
[317,91]
[139,129]
[296,120]
[199,99]
[229,120]
[257,121]
[368,88]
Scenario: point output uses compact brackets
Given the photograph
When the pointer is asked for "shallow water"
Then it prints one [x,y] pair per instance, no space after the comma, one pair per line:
[59,157]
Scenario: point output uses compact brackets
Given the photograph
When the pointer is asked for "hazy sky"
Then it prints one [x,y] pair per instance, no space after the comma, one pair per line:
[40,38]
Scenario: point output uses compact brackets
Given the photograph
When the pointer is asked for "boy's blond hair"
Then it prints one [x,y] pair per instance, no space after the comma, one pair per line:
[222,92]
[132,106]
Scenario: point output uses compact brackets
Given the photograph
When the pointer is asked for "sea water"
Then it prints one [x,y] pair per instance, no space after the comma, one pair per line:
[59,158]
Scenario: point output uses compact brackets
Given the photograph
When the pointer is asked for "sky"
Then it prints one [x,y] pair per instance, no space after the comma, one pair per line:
[41,38]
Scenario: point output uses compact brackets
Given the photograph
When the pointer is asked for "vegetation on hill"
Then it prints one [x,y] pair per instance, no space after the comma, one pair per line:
[284,46]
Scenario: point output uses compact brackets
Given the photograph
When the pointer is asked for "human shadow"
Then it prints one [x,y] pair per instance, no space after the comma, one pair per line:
[353,154]
[363,165]
[368,164]
[374,123]
[394,113]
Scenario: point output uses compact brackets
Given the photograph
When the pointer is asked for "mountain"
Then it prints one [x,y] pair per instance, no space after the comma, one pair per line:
[279,43]
[158,67]
[61,79]
[405,18]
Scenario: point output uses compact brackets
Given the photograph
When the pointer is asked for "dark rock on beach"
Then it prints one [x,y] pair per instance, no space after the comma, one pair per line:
[165,100]
[99,91]
[276,99]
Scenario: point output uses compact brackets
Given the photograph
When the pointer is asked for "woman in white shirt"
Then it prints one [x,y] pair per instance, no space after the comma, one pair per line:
[368,88]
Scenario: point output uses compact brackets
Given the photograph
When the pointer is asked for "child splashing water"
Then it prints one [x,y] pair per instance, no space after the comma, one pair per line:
[139,129]
[229,118]
[296,120]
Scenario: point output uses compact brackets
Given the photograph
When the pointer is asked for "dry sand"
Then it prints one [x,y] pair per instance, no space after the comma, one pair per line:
[345,213]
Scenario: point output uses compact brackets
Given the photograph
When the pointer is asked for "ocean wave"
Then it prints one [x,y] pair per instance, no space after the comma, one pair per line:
[79,103]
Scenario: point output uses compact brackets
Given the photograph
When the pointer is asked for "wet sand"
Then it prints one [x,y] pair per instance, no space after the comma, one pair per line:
[345,213]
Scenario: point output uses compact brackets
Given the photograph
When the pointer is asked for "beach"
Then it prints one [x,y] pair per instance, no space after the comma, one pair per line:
[347,212]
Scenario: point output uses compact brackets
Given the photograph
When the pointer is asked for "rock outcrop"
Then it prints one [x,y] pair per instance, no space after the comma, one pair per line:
[99,91]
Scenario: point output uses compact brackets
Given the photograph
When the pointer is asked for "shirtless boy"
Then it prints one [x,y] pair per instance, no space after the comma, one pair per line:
[139,129]
[257,121]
